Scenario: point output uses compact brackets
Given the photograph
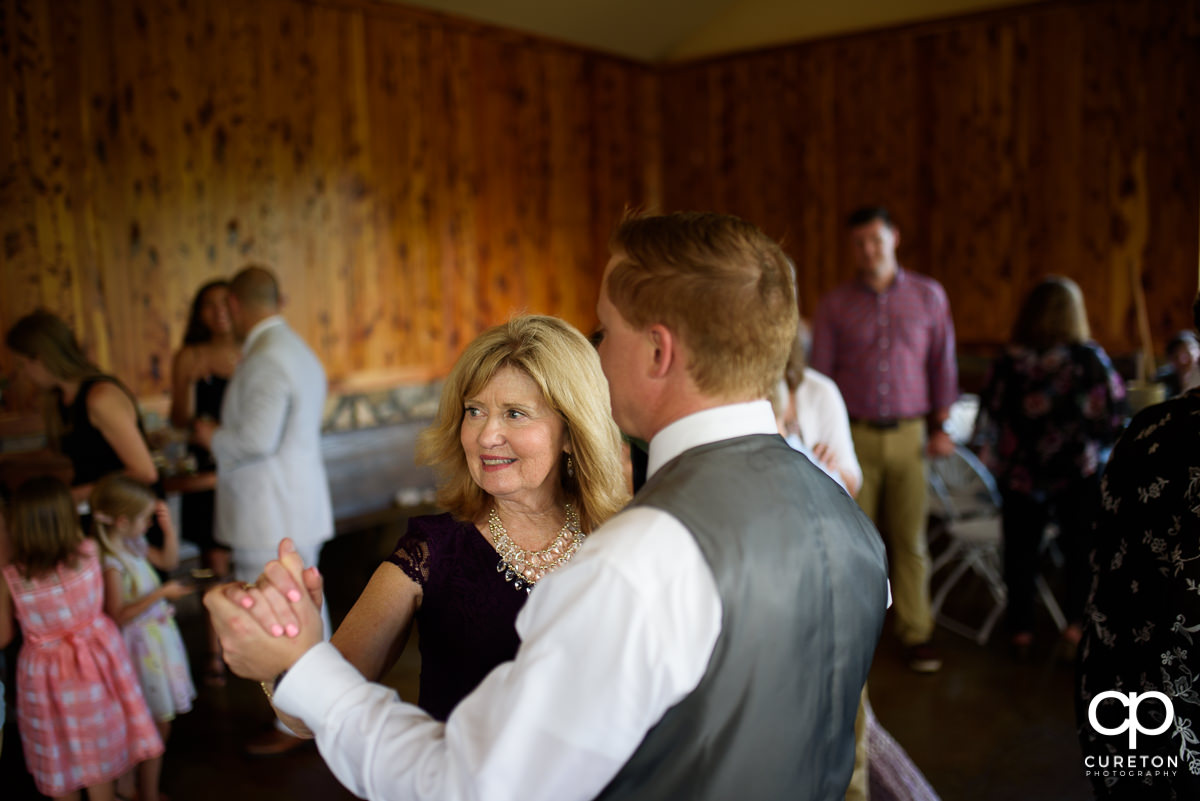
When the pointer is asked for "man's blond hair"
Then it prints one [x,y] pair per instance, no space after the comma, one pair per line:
[718,283]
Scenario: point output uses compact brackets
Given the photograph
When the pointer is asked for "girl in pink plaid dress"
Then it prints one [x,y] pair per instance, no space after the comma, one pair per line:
[81,714]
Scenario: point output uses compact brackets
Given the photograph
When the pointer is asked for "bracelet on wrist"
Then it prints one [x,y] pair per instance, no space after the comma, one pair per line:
[268,687]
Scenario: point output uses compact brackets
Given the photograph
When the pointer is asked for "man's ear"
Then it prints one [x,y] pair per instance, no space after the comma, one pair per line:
[665,352]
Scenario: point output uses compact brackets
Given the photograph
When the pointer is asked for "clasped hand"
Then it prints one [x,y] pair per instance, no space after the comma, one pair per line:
[267,626]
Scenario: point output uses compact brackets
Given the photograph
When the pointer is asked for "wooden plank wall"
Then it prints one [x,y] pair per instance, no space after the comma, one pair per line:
[1057,137]
[414,178]
[411,178]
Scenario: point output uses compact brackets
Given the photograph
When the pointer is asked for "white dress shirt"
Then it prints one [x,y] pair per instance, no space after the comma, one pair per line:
[821,415]
[609,642]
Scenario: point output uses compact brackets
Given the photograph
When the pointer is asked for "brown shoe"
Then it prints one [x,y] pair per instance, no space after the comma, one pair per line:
[273,742]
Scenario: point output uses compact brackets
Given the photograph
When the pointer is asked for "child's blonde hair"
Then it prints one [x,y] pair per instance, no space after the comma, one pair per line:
[43,527]
[116,496]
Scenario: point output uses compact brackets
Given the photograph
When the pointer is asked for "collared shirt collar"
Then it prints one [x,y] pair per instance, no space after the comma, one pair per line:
[896,282]
[257,331]
[710,425]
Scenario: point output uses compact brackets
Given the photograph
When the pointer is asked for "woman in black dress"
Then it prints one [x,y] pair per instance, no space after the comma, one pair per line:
[200,372]
[91,418]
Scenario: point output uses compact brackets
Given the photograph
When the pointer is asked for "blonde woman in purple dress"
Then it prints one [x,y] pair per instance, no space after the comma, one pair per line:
[529,461]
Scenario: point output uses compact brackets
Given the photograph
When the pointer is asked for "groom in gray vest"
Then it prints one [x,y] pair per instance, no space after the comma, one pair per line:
[709,642]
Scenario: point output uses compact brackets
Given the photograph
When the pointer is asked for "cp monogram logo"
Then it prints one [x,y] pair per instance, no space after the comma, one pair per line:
[1132,723]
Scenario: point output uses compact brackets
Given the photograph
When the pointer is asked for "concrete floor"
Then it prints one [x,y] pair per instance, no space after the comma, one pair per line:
[983,728]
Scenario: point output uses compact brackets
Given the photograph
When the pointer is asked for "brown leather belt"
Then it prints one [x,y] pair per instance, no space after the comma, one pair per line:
[882,425]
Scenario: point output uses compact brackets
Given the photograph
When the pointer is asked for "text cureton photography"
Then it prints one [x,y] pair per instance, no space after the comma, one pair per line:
[1131,764]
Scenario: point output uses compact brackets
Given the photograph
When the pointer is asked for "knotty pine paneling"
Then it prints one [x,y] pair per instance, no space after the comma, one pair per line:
[1055,138]
[411,178]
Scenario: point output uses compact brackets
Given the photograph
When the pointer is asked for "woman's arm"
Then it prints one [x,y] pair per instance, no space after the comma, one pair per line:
[826,422]
[6,616]
[375,631]
[165,558]
[113,414]
[182,378]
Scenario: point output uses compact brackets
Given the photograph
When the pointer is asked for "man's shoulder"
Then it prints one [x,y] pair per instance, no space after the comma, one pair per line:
[926,285]
[282,341]
[279,334]
[651,534]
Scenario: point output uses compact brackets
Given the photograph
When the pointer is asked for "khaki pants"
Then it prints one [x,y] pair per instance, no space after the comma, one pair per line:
[894,496]
[860,785]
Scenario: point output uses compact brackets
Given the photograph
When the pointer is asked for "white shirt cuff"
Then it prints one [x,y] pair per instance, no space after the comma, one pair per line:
[315,683]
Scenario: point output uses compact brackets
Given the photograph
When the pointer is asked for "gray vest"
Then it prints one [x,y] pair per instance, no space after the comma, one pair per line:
[803,583]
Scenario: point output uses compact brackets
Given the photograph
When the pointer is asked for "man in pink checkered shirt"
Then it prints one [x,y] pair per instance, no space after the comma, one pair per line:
[887,339]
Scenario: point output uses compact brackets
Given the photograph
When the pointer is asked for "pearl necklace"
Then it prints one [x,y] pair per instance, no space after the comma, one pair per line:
[525,568]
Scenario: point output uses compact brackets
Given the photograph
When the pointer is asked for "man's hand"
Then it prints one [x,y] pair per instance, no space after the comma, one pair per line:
[939,445]
[202,432]
[252,621]
[281,574]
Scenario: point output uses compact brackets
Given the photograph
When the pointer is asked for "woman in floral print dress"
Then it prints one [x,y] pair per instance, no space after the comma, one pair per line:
[1052,408]
[1143,612]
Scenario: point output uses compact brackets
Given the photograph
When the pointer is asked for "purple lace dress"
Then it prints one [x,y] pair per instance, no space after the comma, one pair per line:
[468,611]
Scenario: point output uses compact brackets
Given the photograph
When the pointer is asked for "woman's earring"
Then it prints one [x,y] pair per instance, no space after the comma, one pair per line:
[570,467]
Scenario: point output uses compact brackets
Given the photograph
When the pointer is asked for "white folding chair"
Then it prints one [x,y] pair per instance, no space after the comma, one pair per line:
[965,504]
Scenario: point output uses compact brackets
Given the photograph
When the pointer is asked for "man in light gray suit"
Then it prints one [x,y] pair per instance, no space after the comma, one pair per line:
[270,474]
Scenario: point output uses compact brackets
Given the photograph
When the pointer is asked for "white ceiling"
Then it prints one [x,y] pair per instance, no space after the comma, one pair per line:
[670,30]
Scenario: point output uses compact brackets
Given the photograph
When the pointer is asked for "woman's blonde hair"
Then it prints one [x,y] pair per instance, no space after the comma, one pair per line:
[46,338]
[116,496]
[566,369]
[1053,314]
[43,527]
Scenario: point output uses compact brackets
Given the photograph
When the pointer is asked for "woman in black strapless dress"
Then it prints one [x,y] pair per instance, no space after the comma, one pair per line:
[200,372]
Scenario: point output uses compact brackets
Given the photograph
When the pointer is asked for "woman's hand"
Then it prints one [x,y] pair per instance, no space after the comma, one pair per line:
[273,610]
[825,456]
[252,650]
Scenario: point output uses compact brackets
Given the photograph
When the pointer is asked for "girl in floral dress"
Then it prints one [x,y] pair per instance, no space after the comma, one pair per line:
[80,711]
[122,510]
